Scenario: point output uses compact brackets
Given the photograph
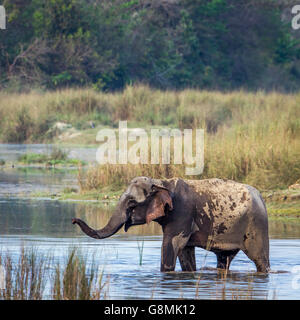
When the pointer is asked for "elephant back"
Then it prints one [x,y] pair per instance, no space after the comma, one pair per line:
[221,200]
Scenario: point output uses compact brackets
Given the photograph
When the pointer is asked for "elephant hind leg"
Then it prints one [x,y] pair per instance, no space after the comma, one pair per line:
[261,261]
[257,250]
[187,259]
[224,258]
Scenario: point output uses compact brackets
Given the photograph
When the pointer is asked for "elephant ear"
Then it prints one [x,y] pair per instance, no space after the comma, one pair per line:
[160,198]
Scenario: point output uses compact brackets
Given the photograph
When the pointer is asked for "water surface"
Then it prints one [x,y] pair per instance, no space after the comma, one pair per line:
[11,152]
[46,225]
[20,182]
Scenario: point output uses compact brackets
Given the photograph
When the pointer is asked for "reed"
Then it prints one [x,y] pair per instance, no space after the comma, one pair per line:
[24,280]
[76,281]
[34,276]
[27,278]
[249,137]
[141,250]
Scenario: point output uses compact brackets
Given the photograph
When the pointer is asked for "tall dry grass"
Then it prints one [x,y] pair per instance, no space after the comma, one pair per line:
[27,278]
[75,281]
[250,137]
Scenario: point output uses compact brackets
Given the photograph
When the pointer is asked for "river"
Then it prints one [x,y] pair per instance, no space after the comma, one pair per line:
[45,224]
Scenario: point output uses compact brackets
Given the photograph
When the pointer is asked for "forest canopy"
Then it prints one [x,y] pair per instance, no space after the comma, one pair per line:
[167,44]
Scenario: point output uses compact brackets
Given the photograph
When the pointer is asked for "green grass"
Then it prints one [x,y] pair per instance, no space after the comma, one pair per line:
[284,206]
[30,158]
[56,157]
[291,210]
[70,194]
[33,158]
[283,203]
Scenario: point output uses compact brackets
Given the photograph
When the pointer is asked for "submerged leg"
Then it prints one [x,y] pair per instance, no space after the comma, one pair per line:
[224,258]
[258,252]
[187,259]
[172,246]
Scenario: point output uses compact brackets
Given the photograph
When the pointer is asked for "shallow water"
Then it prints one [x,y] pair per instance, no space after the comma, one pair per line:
[23,181]
[11,152]
[46,225]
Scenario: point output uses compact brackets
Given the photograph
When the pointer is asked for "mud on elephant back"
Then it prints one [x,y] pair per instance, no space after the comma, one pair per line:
[221,216]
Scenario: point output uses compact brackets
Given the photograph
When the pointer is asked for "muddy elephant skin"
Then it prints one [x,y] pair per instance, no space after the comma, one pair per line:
[221,216]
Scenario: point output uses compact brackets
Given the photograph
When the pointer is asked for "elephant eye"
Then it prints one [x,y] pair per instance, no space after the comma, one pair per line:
[132,202]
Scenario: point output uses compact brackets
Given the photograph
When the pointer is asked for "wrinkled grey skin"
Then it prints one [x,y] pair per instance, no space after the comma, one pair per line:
[218,215]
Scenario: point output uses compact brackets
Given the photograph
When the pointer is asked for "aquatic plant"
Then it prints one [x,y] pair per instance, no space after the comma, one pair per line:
[27,278]
[76,281]
[24,280]
[141,249]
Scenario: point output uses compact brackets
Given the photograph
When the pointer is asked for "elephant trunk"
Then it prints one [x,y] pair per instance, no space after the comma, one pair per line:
[114,225]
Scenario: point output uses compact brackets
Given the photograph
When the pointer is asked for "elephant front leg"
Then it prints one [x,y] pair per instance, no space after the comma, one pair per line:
[171,247]
[168,256]
[187,259]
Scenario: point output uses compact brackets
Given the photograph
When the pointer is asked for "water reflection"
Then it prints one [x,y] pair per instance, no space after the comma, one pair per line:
[53,218]
[284,228]
[23,181]
[47,226]
[217,284]
[11,152]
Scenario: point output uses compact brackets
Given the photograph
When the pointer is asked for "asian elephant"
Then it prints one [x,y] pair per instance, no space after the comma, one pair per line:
[221,216]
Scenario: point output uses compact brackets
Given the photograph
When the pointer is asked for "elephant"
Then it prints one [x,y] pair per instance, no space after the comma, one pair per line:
[218,215]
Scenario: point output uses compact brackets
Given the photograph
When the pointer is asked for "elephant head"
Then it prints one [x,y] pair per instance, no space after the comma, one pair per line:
[147,192]
[153,207]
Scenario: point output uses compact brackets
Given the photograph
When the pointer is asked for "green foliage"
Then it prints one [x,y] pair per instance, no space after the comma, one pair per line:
[287,49]
[61,78]
[33,158]
[216,44]
[57,156]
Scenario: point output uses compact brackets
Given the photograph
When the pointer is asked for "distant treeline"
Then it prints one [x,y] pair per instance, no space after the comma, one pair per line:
[108,44]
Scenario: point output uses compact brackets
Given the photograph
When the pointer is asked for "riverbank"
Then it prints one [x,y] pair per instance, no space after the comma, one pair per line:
[128,262]
[283,203]
[280,204]
[249,137]
[56,158]
[83,186]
